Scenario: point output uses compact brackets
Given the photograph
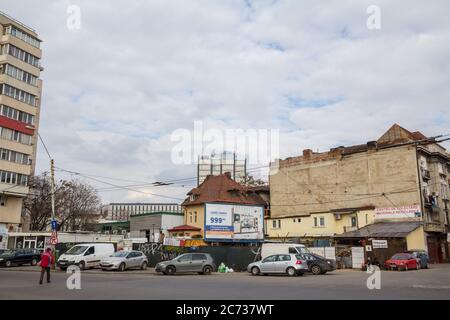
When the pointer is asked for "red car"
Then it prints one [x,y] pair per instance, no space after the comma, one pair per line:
[402,261]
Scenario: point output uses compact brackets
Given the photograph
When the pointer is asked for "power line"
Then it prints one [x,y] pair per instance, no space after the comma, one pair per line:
[45,147]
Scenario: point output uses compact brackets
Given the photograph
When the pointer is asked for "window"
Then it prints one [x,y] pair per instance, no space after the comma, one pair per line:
[299,220]
[2,201]
[18,94]
[270,259]
[353,219]
[90,251]
[319,222]
[198,257]
[185,258]
[13,156]
[195,217]
[16,136]
[190,217]
[23,36]
[284,257]
[21,55]
[13,178]
[274,224]
[292,250]
[20,74]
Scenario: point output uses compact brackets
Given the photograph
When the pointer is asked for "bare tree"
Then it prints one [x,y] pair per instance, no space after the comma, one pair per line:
[76,204]
[250,181]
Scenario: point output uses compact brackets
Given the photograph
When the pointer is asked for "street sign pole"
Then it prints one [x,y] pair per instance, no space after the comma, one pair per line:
[54,237]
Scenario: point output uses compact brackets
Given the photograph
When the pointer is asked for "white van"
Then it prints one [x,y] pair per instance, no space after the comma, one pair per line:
[269,249]
[86,255]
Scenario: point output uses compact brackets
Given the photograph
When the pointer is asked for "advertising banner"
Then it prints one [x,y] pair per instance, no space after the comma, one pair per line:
[227,222]
[398,212]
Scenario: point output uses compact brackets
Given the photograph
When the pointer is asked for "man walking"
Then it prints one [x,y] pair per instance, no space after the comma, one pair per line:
[46,262]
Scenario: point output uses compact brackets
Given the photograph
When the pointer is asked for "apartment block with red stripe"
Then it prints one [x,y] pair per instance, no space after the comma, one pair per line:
[20,97]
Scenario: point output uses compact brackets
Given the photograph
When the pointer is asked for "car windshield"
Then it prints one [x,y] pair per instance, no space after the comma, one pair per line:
[120,254]
[400,257]
[76,250]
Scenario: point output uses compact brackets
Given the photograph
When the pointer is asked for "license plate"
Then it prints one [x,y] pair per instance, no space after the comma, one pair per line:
[393,266]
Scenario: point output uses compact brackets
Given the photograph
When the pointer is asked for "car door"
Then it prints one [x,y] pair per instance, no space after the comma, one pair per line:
[197,262]
[19,257]
[184,263]
[282,263]
[89,256]
[268,264]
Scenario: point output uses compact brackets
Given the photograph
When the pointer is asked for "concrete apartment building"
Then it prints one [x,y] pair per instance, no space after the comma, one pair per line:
[20,102]
[402,177]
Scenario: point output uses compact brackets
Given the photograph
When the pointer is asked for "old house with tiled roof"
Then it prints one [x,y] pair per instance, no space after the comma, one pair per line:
[218,189]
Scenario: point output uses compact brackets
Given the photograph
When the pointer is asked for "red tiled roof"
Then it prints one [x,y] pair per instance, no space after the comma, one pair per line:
[184,228]
[222,188]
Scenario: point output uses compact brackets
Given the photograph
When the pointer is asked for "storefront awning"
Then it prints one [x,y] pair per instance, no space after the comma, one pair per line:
[383,229]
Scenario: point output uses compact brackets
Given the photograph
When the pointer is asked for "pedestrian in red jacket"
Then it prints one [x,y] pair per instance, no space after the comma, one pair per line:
[46,262]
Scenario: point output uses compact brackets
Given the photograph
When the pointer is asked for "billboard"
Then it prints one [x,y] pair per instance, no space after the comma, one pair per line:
[405,212]
[229,222]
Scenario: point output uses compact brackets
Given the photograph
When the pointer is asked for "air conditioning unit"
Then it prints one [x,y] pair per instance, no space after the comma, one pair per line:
[338,216]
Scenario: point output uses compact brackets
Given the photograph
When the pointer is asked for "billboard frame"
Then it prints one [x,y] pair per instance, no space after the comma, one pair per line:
[233,240]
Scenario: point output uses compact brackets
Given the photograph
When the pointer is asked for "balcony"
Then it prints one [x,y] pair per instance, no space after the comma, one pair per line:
[426,175]
[433,227]
[350,228]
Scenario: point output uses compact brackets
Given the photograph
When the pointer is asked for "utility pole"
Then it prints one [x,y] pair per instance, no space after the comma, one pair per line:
[54,237]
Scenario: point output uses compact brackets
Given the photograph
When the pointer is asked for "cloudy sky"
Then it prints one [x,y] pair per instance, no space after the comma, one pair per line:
[135,71]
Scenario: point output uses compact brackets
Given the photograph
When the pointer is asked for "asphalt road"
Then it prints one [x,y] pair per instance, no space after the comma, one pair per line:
[341,284]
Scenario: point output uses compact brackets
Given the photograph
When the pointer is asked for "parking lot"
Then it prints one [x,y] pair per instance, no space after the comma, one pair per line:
[22,283]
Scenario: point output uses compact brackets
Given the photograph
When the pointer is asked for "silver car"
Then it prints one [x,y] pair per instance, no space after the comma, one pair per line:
[123,260]
[202,263]
[290,264]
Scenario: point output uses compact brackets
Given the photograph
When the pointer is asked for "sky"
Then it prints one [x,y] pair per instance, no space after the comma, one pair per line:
[134,72]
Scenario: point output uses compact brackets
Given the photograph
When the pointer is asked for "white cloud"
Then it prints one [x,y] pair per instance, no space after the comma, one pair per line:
[115,89]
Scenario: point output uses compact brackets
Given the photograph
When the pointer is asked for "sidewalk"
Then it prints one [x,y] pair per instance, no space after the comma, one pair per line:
[149,271]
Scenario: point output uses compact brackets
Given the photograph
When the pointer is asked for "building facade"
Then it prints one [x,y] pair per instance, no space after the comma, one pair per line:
[20,102]
[154,225]
[403,176]
[222,191]
[123,211]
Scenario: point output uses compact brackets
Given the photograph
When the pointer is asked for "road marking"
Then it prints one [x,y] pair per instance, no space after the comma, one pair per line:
[420,286]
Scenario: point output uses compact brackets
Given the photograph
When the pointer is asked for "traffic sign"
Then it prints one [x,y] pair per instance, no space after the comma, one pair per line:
[54,225]
[54,238]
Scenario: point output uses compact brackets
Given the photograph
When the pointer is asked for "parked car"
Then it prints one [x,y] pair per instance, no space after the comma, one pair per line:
[290,264]
[270,249]
[123,260]
[202,263]
[86,255]
[19,257]
[318,264]
[402,262]
[422,258]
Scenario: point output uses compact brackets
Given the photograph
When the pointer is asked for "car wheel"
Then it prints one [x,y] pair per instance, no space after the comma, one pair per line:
[291,272]
[164,273]
[316,270]
[207,270]
[8,264]
[170,270]
[255,271]
[144,266]
[34,262]
[82,265]
[122,267]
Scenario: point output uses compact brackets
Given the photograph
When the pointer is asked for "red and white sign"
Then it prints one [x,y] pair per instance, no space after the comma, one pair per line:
[398,212]
[54,238]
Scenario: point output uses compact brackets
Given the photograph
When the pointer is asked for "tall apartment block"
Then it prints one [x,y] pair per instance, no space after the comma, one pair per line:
[20,100]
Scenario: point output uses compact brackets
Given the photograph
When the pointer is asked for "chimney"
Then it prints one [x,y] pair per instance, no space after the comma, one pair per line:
[336,152]
[372,145]
[307,153]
